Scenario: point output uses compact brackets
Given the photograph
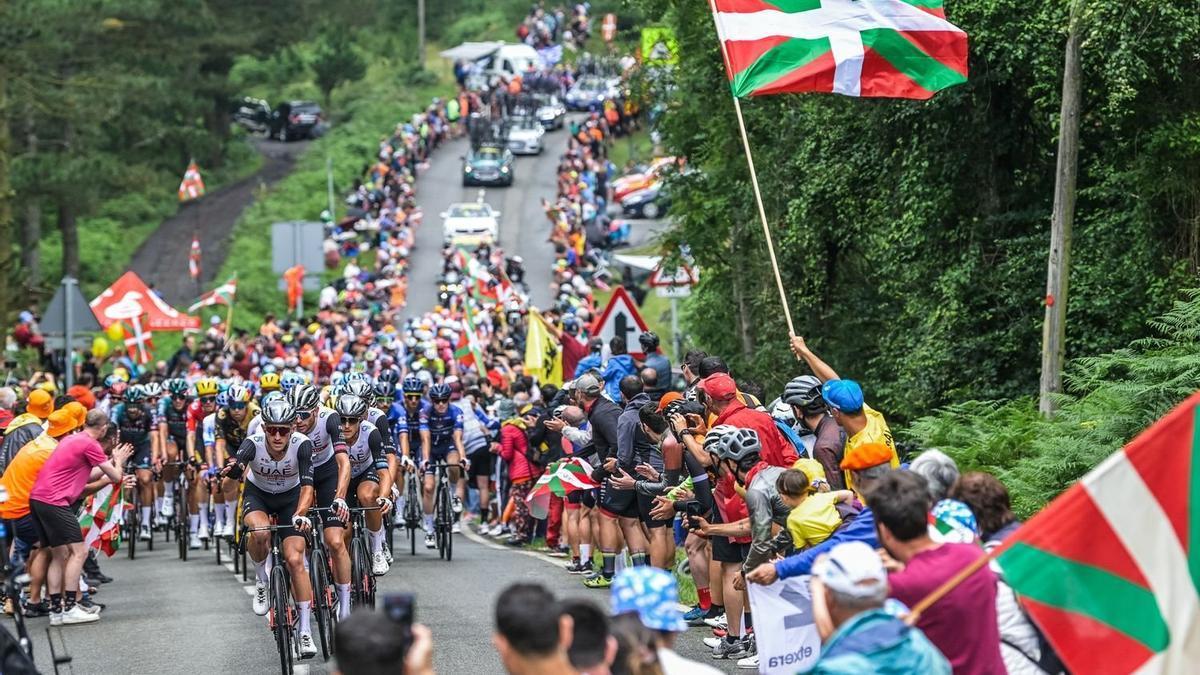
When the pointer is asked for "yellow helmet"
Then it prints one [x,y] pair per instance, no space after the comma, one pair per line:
[206,387]
[269,382]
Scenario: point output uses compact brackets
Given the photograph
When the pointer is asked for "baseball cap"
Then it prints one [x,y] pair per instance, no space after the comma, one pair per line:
[719,387]
[653,594]
[843,395]
[589,384]
[62,422]
[866,456]
[40,403]
[667,399]
[852,568]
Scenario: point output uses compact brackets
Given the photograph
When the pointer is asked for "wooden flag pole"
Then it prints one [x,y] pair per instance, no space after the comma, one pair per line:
[762,213]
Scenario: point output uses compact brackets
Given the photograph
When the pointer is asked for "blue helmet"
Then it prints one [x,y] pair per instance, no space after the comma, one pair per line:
[413,385]
[289,380]
[439,392]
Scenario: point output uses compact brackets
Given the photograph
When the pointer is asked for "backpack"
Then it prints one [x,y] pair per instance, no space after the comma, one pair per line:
[792,437]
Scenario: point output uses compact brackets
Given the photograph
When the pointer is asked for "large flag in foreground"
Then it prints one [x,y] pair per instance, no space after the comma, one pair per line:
[1110,569]
[884,48]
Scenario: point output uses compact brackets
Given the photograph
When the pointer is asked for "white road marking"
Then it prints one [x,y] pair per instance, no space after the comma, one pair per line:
[249,590]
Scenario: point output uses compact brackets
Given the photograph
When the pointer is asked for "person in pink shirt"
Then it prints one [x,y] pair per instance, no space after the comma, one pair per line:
[60,483]
[963,623]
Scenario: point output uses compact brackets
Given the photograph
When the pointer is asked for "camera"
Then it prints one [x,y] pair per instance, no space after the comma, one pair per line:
[399,608]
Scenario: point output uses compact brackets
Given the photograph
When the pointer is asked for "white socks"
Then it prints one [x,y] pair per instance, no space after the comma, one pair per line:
[585,553]
[146,517]
[168,490]
[429,523]
[343,592]
[305,612]
[376,540]
[260,569]
[220,508]
[194,523]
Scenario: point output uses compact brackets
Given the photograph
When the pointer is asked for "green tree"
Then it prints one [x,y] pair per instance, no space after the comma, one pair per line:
[336,62]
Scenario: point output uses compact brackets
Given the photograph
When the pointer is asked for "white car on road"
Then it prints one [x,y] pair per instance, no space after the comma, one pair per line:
[525,135]
[471,224]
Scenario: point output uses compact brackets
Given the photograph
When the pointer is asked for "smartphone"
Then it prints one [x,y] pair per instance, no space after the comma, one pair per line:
[399,608]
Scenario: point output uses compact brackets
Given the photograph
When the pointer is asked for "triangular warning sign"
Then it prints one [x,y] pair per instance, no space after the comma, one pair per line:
[620,317]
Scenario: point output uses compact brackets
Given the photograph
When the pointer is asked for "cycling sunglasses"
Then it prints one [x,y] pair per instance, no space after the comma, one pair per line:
[412,397]
[277,431]
[440,401]
[237,406]
[179,397]
[208,399]
[350,421]
[303,414]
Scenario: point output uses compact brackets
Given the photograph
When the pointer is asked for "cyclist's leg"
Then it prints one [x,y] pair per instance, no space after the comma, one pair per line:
[367,492]
[146,485]
[169,473]
[198,489]
[427,494]
[455,474]
[302,591]
[325,482]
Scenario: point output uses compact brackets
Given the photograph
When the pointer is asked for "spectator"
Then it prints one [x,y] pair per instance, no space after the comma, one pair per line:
[656,361]
[938,470]
[814,515]
[26,426]
[919,565]
[593,647]
[602,415]
[60,482]
[370,643]
[691,370]
[619,366]
[652,596]
[514,449]
[182,359]
[8,401]
[531,636]
[721,401]
[849,587]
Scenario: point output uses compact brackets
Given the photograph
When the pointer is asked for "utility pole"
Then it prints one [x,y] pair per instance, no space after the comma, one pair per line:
[1054,330]
[421,34]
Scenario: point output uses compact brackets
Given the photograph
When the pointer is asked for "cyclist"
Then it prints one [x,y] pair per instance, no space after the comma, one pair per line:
[331,479]
[441,427]
[290,380]
[229,430]
[256,424]
[200,440]
[172,434]
[268,383]
[382,411]
[153,392]
[370,473]
[134,422]
[280,485]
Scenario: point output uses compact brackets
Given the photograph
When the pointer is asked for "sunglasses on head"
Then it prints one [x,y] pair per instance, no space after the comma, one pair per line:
[350,421]
[304,414]
[237,406]
[277,431]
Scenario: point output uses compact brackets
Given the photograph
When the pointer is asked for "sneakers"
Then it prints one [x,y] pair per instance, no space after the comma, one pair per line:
[455,529]
[456,504]
[35,610]
[430,541]
[729,650]
[578,567]
[717,622]
[597,581]
[387,553]
[144,533]
[168,508]
[89,606]
[748,663]
[496,531]
[695,616]
[194,541]
[308,648]
[202,535]
[260,598]
[515,542]
[78,614]
[379,564]
[56,618]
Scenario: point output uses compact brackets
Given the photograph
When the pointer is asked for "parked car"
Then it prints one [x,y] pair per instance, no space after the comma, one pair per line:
[488,164]
[640,180]
[592,90]
[525,135]
[550,111]
[651,202]
[470,224]
[297,120]
[252,114]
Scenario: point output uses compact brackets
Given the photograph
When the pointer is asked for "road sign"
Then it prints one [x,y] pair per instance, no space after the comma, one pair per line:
[679,276]
[659,47]
[673,291]
[54,319]
[298,243]
[620,318]
[609,28]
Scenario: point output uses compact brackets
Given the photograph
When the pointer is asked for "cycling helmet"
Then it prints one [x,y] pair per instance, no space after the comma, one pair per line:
[177,386]
[273,396]
[111,381]
[337,378]
[278,412]
[359,388]
[413,385]
[269,381]
[439,392]
[358,376]
[350,405]
[384,390]
[738,444]
[153,390]
[289,380]
[388,375]
[119,388]
[223,385]
[712,440]
[649,341]
[674,408]
[222,400]
[782,412]
[803,392]
[304,397]
[238,394]
[135,394]
[206,387]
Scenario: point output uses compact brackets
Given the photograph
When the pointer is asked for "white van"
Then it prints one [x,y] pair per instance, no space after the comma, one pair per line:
[493,61]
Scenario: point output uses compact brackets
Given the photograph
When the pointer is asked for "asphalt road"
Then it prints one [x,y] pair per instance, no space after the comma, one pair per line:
[167,616]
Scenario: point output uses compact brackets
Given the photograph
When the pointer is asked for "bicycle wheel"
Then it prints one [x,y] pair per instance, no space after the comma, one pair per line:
[281,618]
[359,570]
[369,583]
[183,521]
[133,526]
[448,513]
[320,605]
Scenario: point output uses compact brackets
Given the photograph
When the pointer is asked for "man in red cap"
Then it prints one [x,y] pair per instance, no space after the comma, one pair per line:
[720,399]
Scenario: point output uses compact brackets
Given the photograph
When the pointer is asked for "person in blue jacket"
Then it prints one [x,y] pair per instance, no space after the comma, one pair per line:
[866,467]
[620,364]
[593,360]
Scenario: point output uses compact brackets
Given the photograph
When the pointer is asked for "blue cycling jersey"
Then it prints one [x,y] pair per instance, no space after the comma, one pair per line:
[441,426]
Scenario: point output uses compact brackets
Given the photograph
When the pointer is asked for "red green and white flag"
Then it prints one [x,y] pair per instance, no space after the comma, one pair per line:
[561,479]
[1110,570]
[99,521]
[878,48]
[468,351]
[221,295]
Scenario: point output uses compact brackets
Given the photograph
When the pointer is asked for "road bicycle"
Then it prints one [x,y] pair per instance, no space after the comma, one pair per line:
[362,579]
[443,512]
[282,616]
[320,570]
[179,522]
[412,508]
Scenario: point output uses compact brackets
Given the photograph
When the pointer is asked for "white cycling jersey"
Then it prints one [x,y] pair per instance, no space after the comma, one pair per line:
[277,475]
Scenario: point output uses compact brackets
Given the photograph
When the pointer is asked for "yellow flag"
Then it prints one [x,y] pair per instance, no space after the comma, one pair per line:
[543,356]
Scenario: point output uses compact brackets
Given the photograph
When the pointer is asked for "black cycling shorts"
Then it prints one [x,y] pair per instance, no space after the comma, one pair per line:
[585,498]
[325,478]
[618,503]
[56,525]
[368,476]
[282,505]
[141,456]
[644,505]
[482,463]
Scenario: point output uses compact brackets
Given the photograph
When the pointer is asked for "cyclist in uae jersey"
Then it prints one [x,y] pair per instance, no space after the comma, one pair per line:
[442,441]
[370,475]
[279,484]
[331,480]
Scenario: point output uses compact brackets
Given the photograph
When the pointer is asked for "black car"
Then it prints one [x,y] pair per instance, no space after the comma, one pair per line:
[651,202]
[489,164]
[252,114]
[296,120]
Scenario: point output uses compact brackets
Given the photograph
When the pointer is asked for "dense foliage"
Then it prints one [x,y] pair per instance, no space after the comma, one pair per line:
[913,235]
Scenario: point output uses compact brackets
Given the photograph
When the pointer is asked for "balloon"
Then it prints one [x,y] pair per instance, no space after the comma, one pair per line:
[115,332]
[100,347]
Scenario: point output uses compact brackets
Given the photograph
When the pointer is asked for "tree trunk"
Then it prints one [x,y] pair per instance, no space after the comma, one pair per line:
[66,215]
[1058,273]
[31,227]
[421,34]
[8,293]
[739,297]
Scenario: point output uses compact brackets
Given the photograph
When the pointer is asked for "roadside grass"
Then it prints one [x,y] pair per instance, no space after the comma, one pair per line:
[636,147]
